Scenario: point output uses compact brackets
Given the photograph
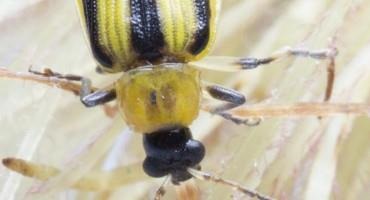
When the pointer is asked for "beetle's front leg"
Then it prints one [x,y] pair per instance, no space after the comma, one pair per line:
[89,96]
[93,98]
[47,72]
[231,99]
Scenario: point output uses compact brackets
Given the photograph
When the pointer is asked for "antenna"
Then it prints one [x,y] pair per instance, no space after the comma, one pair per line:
[212,178]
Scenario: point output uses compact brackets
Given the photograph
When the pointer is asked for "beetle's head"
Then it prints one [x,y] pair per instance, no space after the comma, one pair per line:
[171,151]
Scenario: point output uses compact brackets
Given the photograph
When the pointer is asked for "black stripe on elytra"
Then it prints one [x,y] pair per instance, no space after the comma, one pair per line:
[201,36]
[146,35]
[91,17]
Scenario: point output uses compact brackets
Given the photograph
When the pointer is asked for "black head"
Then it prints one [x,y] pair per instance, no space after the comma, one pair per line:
[172,151]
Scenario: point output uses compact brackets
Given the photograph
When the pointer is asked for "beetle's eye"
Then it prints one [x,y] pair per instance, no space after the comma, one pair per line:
[155,168]
[195,152]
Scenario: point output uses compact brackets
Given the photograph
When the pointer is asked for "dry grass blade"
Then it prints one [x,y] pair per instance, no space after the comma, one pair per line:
[302,110]
[50,81]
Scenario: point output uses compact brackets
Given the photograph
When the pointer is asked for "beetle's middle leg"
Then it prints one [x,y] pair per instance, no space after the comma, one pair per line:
[320,54]
[231,99]
[236,64]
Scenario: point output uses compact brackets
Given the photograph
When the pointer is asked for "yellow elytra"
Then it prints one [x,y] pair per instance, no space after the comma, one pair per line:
[125,34]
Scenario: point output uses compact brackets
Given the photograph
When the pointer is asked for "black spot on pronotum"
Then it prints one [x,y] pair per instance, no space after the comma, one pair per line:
[153,98]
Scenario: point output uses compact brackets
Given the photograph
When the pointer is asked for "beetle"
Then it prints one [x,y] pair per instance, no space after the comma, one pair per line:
[157,44]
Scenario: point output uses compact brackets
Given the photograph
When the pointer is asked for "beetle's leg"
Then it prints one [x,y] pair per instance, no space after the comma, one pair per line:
[90,99]
[232,99]
[237,64]
[65,82]
[40,78]
[47,72]
[88,96]
[234,64]
[91,181]
[321,54]
[85,88]
[329,53]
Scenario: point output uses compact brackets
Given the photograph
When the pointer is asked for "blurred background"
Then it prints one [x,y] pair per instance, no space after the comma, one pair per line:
[286,158]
